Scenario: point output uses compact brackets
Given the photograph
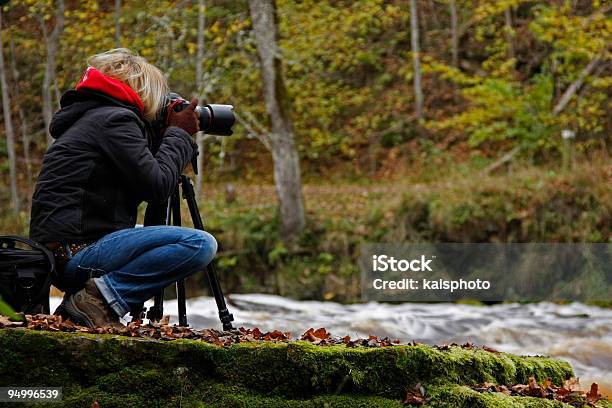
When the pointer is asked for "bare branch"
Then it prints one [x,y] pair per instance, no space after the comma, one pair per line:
[263,137]
[574,87]
[8,126]
[501,161]
[454,33]
[416,60]
[118,23]
[52,43]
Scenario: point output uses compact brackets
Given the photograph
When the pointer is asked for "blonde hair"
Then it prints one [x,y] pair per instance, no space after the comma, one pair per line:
[145,79]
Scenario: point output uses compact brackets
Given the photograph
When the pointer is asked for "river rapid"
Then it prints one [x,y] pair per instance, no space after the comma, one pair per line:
[576,332]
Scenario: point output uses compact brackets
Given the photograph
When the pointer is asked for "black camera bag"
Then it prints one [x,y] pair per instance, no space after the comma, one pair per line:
[26,271]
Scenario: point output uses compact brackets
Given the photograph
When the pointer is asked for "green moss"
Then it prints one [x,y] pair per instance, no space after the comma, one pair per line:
[464,397]
[539,367]
[605,404]
[126,372]
[216,395]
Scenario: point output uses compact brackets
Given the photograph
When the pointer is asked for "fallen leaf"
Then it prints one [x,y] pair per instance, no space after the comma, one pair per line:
[413,399]
[6,322]
[593,394]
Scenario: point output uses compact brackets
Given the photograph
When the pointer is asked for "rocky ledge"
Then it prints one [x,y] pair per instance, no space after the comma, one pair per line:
[121,371]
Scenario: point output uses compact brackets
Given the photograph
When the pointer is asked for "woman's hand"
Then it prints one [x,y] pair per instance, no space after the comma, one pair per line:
[187,119]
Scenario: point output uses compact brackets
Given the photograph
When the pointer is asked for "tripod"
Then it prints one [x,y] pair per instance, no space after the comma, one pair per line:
[173,217]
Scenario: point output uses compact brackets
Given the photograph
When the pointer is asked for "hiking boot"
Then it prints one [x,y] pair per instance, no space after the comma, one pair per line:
[88,307]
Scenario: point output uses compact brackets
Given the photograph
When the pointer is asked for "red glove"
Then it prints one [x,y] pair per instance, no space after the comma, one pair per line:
[187,119]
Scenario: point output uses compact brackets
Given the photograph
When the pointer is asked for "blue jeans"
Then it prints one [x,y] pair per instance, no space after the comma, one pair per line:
[132,265]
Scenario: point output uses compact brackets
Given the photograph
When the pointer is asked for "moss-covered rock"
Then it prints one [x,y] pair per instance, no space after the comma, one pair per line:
[128,372]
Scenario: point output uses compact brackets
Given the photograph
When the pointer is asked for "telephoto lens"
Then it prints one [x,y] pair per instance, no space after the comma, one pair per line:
[214,119]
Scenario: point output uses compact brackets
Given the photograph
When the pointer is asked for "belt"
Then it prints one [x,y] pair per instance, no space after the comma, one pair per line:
[63,252]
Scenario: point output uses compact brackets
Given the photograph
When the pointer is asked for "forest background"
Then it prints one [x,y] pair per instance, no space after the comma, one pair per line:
[420,121]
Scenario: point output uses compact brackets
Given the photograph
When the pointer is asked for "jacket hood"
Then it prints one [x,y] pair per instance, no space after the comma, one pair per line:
[94,80]
[75,103]
[93,90]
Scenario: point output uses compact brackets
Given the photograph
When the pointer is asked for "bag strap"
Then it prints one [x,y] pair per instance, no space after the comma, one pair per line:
[10,240]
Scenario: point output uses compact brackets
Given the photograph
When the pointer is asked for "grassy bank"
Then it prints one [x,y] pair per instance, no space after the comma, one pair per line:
[124,372]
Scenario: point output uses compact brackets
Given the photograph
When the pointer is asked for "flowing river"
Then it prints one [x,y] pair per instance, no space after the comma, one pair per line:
[576,332]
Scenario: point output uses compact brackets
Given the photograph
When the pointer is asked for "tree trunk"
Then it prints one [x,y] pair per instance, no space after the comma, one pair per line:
[25,137]
[49,76]
[284,154]
[118,23]
[454,33]
[199,81]
[416,60]
[8,126]
[509,32]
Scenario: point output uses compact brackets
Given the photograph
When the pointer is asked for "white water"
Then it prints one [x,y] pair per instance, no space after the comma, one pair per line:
[576,332]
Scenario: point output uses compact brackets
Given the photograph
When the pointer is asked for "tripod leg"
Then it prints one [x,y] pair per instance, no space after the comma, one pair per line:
[182,307]
[137,313]
[180,284]
[156,312]
[224,315]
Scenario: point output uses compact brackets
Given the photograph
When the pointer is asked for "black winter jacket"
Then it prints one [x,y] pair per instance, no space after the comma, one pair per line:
[100,168]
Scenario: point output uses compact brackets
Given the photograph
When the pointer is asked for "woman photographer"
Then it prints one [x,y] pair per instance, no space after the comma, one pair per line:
[104,162]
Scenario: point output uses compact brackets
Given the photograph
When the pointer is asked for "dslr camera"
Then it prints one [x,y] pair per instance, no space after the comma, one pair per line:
[214,119]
